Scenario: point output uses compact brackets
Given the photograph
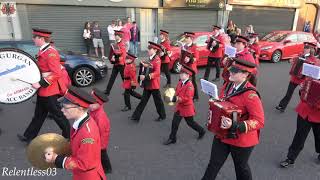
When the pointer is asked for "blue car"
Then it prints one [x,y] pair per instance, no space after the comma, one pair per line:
[83,70]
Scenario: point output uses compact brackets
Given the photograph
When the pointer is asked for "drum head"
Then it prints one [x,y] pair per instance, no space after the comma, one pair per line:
[18,70]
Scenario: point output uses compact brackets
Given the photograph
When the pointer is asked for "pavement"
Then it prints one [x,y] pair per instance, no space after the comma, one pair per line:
[136,150]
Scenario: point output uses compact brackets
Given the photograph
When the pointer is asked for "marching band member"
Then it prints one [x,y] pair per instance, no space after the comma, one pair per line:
[216,47]
[48,88]
[185,107]
[308,54]
[254,47]
[153,85]
[165,56]
[85,160]
[192,48]
[118,60]
[242,93]
[99,115]
[130,81]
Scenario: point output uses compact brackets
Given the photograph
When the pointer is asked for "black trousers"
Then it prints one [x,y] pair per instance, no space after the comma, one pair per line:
[194,82]
[165,70]
[286,99]
[211,60]
[219,154]
[127,94]
[144,100]
[45,105]
[115,70]
[105,160]
[303,129]
[176,122]
[88,44]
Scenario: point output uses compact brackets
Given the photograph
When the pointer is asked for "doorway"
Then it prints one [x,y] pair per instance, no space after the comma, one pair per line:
[307,13]
[148,20]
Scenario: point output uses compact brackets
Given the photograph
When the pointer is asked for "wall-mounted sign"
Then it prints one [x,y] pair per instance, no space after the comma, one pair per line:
[215,4]
[8,9]
[272,3]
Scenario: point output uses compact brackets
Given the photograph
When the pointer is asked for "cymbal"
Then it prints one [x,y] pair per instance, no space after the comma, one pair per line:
[36,149]
[168,94]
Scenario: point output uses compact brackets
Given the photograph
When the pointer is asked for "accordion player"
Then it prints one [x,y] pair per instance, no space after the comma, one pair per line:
[210,46]
[115,53]
[310,92]
[145,68]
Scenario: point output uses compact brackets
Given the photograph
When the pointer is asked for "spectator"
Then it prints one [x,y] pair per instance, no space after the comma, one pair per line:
[238,31]
[111,29]
[318,46]
[97,39]
[127,36]
[87,36]
[129,24]
[135,39]
[231,30]
[119,25]
[307,27]
[248,31]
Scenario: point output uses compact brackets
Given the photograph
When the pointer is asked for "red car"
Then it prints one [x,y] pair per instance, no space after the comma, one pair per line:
[200,41]
[279,45]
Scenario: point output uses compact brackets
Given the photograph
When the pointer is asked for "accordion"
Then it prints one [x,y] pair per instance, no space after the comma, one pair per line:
[209,44]
[165,53]
[144,71]
[217,109]
[296,68]
[310,92]
[114,53]
[186,57]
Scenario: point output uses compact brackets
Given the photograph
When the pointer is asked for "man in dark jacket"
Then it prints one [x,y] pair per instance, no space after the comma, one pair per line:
[135,39]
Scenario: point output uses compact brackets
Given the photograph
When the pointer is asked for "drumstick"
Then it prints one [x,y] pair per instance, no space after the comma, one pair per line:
[17,79]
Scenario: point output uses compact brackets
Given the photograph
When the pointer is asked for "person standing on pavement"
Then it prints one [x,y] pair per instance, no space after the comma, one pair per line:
[242,93]
[151,83]
[215,45]
[184,106]
[130,81]
[308,55]
[48,88]
[97,39]
[165,55]
[135,39]
[85,142]
[111,29]
[87,36]
[254,46]
[126,33]
[118,61]
[118,26]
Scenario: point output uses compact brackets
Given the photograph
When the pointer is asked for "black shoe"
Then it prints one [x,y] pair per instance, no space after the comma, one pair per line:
[108,171]
[281,109]
[106,93]
[0,131]
[216,79]
[160,119]
[169,141]
[286,163]
[125,109]
[134,119]
[319,157]
[195,99]
[22,138]
[201,134]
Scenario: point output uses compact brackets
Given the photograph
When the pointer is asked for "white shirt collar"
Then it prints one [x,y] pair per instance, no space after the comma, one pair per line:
[43,46]
[184,82]
[189,44]
[77,122]
[237,87]
[217,34]
[152,56]
[306,55]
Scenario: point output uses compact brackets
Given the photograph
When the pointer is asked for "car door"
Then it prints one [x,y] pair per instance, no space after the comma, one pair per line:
[290,49]
[202,48]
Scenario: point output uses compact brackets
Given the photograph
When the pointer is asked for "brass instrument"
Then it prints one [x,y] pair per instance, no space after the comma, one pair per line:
[36,149]
[168,94]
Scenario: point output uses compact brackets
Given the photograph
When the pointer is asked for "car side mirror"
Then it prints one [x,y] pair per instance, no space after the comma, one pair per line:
[287,41]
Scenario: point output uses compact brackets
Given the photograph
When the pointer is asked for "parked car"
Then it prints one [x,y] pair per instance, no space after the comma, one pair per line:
[83,70]
[200,41]
[279,45]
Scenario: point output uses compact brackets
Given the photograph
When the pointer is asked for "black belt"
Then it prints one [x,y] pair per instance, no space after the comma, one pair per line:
[126,78]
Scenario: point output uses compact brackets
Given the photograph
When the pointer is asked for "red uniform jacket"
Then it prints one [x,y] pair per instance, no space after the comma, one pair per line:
[85,160]
[130,74]
[103,123]
[123,54]
[154,76]
[50,68]
[195,52]
[185,105]
[219,53]
[297,80]
[255,49]
[308,113]
[167,46]
[253,116]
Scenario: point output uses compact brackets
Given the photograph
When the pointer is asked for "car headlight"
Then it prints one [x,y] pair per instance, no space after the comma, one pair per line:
[266,47]
[100,63]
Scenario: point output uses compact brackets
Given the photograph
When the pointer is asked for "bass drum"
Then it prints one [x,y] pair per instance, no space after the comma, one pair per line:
[18,70]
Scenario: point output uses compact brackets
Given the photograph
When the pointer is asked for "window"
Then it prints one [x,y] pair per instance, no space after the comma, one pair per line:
[6,46]
[293,38]
[303,37]
[201,40]
[29,48]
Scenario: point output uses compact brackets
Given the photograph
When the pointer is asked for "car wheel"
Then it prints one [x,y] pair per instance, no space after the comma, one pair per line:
[276,56]
[175,67]
[83,77]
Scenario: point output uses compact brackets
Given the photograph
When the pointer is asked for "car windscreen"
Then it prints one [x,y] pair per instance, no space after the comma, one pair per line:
[275,37]
[178,40]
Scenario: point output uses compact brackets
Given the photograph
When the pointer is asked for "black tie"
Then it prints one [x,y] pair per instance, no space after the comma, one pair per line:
[234,90]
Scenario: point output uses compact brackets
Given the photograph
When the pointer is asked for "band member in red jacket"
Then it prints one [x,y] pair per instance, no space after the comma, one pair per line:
[130,81]
[100,116]
[48,88]
[254,47]
[242,93]
[151,82]
[185,107]
[308,117]
[165,55]
[308,54]
[118,60]
[191,48]
[215,44]
[85,143]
